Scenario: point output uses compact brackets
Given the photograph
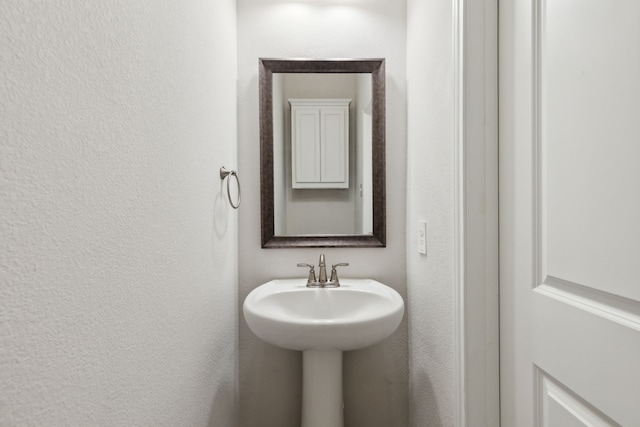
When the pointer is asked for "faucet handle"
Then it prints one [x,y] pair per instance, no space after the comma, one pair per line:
[312,272]
[334,272]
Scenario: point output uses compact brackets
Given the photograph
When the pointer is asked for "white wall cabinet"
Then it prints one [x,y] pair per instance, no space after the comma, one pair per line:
[320,143]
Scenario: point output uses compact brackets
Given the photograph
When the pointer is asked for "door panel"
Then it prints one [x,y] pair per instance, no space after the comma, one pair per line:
[589,67]
[570,212]
[560,407]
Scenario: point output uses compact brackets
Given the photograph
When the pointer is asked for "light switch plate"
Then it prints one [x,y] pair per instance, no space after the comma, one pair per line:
[422,237]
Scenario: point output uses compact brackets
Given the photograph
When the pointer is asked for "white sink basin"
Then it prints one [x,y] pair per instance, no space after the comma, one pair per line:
[288,314]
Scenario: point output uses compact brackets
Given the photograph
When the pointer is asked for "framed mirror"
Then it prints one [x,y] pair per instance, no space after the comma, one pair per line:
[322,152]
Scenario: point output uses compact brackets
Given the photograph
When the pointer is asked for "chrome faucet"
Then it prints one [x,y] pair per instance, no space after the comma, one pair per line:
[322,281]
[323,270]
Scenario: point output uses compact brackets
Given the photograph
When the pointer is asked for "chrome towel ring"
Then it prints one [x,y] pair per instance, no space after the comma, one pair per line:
[224,173]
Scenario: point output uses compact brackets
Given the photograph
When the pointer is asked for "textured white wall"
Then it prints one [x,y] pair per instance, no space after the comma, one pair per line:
[118,270]
[375,378]
[430,184]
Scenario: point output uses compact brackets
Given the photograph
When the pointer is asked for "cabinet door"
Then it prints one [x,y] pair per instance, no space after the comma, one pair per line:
[334,147]
[306,147]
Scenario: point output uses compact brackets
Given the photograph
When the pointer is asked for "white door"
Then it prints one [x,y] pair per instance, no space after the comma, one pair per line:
[570,212]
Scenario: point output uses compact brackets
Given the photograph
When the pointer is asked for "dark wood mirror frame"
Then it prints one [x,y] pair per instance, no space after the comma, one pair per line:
[375,67]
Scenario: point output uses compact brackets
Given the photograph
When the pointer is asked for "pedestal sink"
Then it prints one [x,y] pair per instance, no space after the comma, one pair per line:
[322,323]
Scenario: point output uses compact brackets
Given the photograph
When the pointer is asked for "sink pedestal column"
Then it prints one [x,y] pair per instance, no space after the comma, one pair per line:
[322,404]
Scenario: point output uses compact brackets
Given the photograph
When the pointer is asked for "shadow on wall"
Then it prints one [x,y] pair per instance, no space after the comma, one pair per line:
[223,406]
[220,213]
[423,398]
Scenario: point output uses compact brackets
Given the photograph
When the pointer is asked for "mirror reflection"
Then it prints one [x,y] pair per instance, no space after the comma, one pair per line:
[322,154]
